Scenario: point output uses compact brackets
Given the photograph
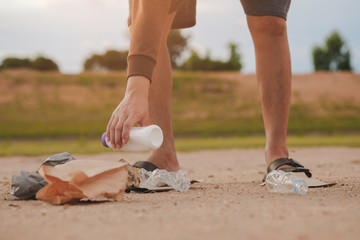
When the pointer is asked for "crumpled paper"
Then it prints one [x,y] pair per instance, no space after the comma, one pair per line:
[94,180]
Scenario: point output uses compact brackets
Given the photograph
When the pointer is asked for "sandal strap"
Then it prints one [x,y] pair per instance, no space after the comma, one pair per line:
[304,170]
[295,166]
[148,166]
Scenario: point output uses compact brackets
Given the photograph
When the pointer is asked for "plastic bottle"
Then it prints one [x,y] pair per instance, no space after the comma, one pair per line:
[285,182]
[140,139]
[159,177]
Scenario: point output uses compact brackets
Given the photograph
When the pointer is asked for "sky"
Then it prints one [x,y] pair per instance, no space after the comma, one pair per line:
[69,31]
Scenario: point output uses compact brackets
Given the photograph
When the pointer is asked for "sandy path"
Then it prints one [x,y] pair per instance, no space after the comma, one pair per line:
[229,204]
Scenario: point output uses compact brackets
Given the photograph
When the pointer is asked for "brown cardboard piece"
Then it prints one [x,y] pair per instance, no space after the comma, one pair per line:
[95,180]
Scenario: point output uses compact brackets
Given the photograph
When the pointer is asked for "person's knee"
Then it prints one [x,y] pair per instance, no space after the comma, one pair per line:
[267,26]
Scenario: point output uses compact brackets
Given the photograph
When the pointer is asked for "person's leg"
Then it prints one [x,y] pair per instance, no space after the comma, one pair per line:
[273,69]
[160,106]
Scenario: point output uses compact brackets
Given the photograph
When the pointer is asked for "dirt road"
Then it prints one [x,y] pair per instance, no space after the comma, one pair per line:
[228,204]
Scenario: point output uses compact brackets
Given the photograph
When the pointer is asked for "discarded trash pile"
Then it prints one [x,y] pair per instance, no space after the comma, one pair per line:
[62,179]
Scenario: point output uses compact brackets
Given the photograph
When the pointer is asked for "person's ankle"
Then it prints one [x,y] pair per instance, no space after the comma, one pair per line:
[273,154]
[167,161]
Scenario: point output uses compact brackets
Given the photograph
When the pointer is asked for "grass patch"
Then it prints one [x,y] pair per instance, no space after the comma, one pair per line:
[54,105]
[93,146]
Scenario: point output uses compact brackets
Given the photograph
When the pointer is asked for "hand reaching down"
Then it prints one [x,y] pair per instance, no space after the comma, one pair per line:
[133,109]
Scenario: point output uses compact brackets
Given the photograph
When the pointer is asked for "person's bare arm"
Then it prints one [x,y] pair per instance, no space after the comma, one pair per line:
[147,28]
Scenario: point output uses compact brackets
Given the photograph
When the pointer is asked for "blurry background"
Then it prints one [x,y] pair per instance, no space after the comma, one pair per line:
[47,97]
[70,31]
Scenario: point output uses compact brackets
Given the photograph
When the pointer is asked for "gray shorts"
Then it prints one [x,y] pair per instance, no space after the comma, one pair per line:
[277,8]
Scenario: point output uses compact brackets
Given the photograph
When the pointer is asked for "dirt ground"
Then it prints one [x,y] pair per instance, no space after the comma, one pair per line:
[228,204]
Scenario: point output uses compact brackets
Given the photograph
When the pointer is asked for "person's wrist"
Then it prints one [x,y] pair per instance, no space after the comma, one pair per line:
[138,85]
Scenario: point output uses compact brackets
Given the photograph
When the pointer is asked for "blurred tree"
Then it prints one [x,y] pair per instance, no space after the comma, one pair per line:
[111,60]
[115,60]
[195,62]
[40,63]
[177,44]
[12,62]
[192,61]
[93,62]
[44,64]
[320,59]
[334,56]
[234,62]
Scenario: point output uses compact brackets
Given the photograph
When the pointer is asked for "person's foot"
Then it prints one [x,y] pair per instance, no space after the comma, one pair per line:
[164,160]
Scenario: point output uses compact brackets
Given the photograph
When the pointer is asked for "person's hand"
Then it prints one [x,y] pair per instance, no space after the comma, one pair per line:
[133,109]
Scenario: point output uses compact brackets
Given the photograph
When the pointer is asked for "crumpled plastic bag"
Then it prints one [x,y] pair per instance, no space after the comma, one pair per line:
[26,185]
[160,178]
[57,159]
[83,179]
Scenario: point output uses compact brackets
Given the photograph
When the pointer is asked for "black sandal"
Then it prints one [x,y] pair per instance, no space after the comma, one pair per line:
[295,167]
[148,166]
